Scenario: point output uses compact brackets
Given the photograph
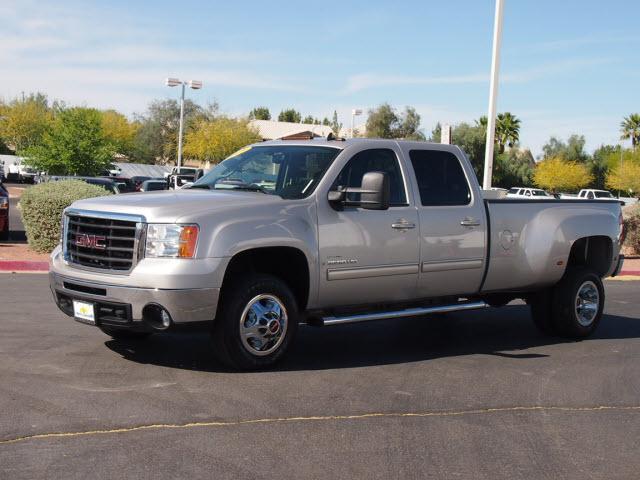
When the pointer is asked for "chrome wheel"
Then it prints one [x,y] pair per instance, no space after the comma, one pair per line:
[587,303]
[263,325]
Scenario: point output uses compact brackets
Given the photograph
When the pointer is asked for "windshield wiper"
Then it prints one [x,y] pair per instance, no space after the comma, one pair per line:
[240,185]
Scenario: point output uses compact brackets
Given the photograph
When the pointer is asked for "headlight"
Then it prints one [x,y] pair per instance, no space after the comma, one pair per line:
[174,241]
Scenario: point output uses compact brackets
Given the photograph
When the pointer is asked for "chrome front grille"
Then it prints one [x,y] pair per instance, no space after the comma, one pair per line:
[103,241]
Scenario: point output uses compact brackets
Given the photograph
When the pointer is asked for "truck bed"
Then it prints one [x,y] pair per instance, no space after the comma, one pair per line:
[529,241]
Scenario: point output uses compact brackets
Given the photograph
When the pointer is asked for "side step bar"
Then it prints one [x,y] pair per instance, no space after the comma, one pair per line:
[408,312]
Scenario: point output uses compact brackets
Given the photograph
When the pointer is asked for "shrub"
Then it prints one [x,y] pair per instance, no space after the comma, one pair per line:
[632,226]
[42,206]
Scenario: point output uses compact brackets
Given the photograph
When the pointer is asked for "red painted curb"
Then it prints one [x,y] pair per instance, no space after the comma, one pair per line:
[23,266]
[629,272]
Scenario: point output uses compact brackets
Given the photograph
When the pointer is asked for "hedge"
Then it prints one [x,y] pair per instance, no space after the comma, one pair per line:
[632,226]
[42,206]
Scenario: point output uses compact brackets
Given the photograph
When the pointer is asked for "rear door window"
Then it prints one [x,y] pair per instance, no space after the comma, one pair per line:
[441,179]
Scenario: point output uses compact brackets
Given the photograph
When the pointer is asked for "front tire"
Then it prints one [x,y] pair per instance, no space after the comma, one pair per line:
[256,323]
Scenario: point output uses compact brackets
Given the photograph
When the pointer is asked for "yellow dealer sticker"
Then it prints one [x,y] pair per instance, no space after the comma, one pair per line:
[240,152]
[84,312]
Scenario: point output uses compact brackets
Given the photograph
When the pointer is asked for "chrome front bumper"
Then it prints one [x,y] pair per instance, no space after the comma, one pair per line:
[184,305]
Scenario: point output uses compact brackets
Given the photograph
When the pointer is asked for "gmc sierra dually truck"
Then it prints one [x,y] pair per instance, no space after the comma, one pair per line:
[327,232]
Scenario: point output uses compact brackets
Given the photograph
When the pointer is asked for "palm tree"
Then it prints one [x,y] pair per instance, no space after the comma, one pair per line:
[482,122]
[630,127]
[507,130]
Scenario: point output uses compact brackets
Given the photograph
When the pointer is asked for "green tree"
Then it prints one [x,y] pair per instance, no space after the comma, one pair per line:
[215,140]
[310,120]
[630,128]
[289,115]
[260,113]
[409,125]
[572,150]
[625,177]
[335,125]
[556,174]
[326,122]
[384,122]
[23,122]
[472,140]
[76,144]
[119,131]
[599,164]
[507,130]
[513,168]
[436,133]
[156,139]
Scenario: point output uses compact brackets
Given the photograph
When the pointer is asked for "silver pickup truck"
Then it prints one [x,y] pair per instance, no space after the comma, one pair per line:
[327,232]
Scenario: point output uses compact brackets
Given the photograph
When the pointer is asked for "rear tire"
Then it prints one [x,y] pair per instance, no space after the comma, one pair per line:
[578,302]
[572,308]
[118,334]
[256,323]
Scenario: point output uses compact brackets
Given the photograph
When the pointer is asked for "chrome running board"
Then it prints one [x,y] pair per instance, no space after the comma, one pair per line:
[408,312]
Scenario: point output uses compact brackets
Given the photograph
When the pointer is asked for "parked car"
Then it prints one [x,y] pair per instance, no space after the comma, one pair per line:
[153,185]
[4,213]
[20,172]
[593,194]
[125,184]
[350,231]
[184,175]
[106,183]
[138,180]
[529,193]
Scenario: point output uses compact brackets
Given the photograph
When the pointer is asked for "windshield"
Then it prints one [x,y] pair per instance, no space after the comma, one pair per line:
[186,171]
[539,193]
[603,195]
[289,171]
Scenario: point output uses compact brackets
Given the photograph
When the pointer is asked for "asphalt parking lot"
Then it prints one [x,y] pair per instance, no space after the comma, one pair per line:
[474,395]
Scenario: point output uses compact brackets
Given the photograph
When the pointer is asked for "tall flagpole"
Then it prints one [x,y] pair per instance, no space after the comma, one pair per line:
[493,96]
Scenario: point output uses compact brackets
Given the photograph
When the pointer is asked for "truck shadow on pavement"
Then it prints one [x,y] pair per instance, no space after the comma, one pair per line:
[506,332]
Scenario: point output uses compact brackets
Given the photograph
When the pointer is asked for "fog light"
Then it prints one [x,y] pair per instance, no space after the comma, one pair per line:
[166,319]
[156,317]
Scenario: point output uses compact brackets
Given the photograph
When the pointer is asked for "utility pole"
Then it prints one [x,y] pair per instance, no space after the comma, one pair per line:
[493,96]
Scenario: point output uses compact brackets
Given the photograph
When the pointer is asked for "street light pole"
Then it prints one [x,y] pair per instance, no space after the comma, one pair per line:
[180,136]
[354,112]
[195,85]
[493,95]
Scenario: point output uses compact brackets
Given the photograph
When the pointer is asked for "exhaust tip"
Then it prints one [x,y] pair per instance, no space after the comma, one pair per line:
[156,317]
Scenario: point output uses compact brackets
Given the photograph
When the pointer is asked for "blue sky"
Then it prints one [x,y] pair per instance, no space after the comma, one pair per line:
[567,66]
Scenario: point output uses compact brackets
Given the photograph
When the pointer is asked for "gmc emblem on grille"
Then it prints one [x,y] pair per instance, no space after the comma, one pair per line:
[97,242]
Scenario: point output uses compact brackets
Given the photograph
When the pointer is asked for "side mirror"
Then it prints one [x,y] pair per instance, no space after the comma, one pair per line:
[374,191]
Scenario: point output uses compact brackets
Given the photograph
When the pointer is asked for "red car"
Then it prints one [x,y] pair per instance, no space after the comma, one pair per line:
[4,213]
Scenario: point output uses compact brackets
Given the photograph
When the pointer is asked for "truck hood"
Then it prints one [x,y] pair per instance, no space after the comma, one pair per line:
[169,206]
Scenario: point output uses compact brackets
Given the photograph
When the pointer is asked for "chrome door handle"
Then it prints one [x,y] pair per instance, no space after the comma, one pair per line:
[469,222]
[403,225]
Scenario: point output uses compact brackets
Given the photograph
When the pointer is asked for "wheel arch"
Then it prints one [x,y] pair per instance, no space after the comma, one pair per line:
[287,263]
[595,252]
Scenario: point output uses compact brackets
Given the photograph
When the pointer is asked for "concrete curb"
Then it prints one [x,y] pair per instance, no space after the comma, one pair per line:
[23,266]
